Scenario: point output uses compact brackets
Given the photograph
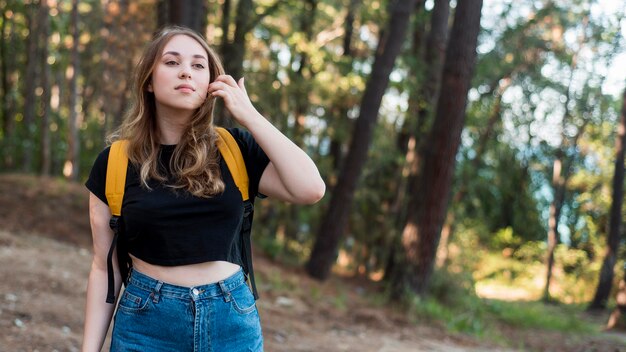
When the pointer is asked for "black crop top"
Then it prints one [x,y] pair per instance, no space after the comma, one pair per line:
[166,227]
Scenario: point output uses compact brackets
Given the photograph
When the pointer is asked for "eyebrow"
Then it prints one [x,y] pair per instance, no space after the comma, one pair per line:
[175,53]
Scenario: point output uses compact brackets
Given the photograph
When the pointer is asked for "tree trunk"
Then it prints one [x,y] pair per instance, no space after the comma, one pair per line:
[618,316]
[225,23]
[188,13]
[304,74]
[558,185]
[70,170]
[422,231]
[341,107]
[30,84]
[301,79]
[610,258]
[45,97]
[434,57]
[336,218]
[349,27]
[447,233]
[560,177]
[410,136]
[4,74]
[8,84]
[237,48]
[233,52]
[124,22]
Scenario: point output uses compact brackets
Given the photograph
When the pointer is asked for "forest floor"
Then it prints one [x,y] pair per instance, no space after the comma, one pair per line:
[45,254]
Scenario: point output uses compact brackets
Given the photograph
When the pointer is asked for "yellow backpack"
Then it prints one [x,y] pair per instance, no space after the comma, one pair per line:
[114,191]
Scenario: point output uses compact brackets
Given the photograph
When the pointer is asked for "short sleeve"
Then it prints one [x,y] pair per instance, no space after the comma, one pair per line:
[255,158]
[97,177]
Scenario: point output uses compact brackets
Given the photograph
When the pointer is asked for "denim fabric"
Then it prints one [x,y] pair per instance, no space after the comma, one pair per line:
[155,316]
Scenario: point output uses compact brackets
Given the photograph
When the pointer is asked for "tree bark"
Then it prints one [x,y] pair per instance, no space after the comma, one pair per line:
[336,218]
[617,318]
[30,84]
[71,168]
[301,79]
[124,22]
[605,282]
[188,13]
[233,52]
[487,134]
[340,107]
[558,185]
[434,57]
[410,135]
[561,172]
[8,87]
[349,27]
[422,231]
[4,74]
[45,97]
[225,23]
[304,74]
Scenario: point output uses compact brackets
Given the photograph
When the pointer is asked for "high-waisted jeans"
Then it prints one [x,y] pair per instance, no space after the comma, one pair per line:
[155,316]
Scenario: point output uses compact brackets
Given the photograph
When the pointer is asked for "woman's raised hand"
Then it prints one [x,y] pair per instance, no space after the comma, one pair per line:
[235,98]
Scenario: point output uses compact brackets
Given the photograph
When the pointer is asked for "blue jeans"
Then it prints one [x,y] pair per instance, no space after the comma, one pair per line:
[155,316]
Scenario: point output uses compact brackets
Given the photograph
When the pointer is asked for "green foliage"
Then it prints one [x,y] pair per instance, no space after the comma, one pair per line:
[538,315]
[505,238]
[454,304]
[574,261]
[531,252]
[460,310]
[452,301]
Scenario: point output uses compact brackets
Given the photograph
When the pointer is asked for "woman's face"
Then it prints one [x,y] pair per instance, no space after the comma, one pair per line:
[180,79]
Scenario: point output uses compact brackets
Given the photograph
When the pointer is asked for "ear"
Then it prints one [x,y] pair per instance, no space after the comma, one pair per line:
[150,89]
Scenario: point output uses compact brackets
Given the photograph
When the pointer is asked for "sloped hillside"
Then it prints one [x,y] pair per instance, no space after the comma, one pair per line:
[45,255]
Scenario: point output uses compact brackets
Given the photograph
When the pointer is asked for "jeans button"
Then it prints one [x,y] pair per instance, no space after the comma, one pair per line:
[195,291]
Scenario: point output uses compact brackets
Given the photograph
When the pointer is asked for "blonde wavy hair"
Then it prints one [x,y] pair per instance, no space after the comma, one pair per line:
[195,162]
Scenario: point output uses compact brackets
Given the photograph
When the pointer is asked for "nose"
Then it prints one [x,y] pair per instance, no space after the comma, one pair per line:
[185,72]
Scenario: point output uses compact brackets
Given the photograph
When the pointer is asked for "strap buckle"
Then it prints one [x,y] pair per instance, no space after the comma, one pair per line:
[114,223]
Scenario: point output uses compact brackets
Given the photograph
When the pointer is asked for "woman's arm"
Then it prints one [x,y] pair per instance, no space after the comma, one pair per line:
[291,175]
[98,313]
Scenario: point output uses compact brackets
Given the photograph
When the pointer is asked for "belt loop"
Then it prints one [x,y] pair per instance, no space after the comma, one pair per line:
[225,292]
[155,293]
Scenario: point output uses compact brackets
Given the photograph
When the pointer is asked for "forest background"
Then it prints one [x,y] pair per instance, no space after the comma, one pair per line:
[472,150]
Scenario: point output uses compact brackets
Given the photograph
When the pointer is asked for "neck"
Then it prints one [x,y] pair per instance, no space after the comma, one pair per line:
[171,125]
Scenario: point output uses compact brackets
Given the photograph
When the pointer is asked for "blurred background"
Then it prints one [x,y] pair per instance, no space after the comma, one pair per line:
[472,151]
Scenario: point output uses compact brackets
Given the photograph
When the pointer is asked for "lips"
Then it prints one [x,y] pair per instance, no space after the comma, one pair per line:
[185,87]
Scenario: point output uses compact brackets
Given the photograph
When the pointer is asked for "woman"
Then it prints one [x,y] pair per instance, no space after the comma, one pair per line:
[181,207]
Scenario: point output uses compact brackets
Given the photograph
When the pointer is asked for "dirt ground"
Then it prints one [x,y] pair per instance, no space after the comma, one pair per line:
[44,262]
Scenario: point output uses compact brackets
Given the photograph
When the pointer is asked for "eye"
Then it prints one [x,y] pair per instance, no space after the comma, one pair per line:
[171,63]
[200,66]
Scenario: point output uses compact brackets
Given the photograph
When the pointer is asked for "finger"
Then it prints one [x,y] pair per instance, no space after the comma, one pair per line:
[241,85]
[221,94]
[228,79]
[218,86]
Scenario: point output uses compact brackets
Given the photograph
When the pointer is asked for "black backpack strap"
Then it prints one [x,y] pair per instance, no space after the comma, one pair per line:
[123,260]
[246,249]
[114,224]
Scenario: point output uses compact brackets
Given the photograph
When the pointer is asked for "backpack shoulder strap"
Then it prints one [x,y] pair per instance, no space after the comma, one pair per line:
[116,176]
[229,149]
[234,160]
[114,192]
